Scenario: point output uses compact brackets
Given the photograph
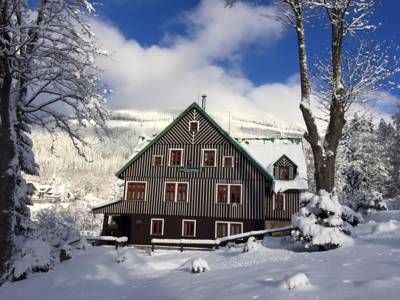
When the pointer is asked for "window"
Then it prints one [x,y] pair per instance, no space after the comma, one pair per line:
[235,228]
[188,228]
[284,169]
[176,191]
[235,193]
[170,192]
[228,162]
[157,227]
[223,229]
[209,157]
[279,202]
[157,160]
[284,173]
[229,193]
[136,191]
[222,193]
[175,157]
[182,192]
[194,126]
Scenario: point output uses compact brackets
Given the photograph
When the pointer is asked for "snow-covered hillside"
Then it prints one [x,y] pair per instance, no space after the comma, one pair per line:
[368,269]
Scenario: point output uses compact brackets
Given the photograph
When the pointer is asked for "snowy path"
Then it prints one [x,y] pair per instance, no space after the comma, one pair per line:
[370,269]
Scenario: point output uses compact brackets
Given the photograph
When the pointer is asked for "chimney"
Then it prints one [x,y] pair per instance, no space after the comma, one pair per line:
[203,101]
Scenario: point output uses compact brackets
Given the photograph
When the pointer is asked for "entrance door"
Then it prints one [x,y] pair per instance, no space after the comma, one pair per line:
[139,235]
[124,227]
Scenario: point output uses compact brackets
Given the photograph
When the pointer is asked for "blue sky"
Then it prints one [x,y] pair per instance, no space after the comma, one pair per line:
[258,63]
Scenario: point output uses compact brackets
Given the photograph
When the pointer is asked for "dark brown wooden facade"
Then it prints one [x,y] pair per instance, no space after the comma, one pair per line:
[257,199]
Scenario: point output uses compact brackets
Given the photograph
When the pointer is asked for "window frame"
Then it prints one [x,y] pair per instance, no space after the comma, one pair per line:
[223,161]
[274,202]
[229,193]
[229,227]
[176,191]
[190,125]
[134,181]
[169,156]
[162,226]
[215,157]
[154,159]
[194,228]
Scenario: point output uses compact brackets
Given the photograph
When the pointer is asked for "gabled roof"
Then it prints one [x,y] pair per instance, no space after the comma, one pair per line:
[194,105]
[285,156]
[270,150]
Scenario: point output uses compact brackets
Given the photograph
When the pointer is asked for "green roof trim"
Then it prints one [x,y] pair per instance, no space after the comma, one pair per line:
[215,124]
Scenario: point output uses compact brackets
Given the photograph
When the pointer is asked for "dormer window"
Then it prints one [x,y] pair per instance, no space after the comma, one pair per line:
[284,169]
[194,126]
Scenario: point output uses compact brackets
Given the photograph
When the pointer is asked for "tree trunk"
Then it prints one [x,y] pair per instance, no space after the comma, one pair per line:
[8,169]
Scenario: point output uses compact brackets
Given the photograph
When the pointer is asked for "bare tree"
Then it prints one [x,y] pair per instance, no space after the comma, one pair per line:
[47,78]
[347,77]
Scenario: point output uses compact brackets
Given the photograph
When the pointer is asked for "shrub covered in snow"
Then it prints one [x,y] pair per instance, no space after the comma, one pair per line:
[34,256]
[58,225]
[322,221]
[251,245]
[366,202]
[299,280]
[199,265]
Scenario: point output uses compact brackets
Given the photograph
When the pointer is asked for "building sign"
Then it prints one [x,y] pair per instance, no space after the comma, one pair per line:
[190,169]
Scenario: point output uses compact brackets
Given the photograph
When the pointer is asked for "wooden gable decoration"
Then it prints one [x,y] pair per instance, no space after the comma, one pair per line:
[285,163]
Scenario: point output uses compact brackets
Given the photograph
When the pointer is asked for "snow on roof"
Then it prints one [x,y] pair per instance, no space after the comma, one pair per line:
[268,151]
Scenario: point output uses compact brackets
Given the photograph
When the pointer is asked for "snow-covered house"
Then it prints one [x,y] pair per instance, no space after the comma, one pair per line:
[193,180]
[43,192]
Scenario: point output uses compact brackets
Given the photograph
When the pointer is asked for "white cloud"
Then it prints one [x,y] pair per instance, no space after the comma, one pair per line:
[175,72]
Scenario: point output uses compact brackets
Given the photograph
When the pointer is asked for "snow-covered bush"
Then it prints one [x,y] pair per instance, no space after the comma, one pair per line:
[366,202]
[34,256]
[251,245]
[299,280]
[321,222]
[199,265]
[58,225]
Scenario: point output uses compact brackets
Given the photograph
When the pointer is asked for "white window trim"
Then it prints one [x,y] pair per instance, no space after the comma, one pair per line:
[151,226]
[198,125]
[223,161]
[162,159]
[169,157]
[134,181]
[176,190]
[202,157]
[183,227]
[284,201]
[229,192]
[229,226]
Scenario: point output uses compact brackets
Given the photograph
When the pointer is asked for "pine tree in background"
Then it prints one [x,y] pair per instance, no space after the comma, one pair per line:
[394,157]
[364,167]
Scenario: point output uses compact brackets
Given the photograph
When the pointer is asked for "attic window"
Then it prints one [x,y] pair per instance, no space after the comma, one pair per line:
[284,169]
[194,126]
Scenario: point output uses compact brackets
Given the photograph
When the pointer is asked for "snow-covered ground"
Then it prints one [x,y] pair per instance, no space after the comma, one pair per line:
[369,269]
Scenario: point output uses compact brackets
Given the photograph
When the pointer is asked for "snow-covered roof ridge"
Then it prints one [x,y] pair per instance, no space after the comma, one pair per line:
[267,151]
